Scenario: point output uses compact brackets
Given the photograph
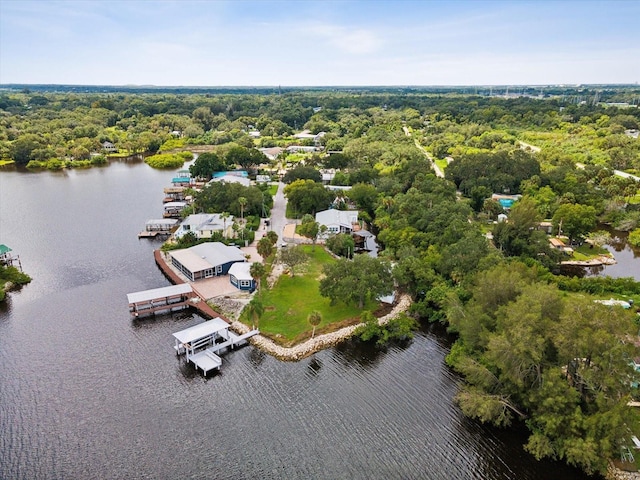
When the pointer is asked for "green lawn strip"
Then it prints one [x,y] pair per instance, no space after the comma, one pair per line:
[588,252]
[273,189]
[6,161]
[288,304]
[442,164]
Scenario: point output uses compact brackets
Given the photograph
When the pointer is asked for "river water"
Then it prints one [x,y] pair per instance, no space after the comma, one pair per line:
[86,392]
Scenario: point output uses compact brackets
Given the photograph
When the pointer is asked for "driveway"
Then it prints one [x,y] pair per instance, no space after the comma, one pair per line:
[278,219]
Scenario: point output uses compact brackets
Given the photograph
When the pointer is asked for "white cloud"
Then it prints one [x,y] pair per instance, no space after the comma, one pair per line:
[350,40]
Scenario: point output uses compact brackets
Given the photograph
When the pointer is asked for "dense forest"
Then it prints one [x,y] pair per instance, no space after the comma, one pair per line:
[532,345]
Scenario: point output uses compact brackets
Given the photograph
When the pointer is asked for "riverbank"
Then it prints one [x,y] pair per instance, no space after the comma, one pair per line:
[593,262]
[297,352]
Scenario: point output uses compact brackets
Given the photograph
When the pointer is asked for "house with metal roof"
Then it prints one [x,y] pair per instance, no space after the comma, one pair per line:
[206,260]
[338,221]
[203,225]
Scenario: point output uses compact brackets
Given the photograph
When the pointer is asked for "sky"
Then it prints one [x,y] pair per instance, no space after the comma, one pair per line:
[319,43]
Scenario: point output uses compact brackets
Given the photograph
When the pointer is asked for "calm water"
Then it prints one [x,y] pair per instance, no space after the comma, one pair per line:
[85,392]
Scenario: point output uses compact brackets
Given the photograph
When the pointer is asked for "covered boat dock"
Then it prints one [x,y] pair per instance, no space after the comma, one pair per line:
[160,226]
[166,299]
[202,343]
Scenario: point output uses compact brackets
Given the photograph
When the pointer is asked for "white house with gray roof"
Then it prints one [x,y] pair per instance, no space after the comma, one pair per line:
[203,225]
[338,221]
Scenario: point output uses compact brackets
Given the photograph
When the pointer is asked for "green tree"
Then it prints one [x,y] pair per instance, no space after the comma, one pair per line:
[307,196]
[341,244]
[302,172]
[574,220]
[265,248]
[314,318]
[206,164]
[257,271]
[309,228]
[293,257]
[254,310]
[357,280]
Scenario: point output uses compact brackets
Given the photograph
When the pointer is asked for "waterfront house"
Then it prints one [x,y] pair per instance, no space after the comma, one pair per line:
[240,276]
[109,147]
[338,221]
[234,176]
[203,225]
[206,260]
[5,255]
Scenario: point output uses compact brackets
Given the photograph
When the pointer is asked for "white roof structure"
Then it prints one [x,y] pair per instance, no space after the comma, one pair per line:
[233,179]
[203,222]
[163,292]
[175,204]
[344,218]
[202,330]
[169,222]
[207,255]
[241,271]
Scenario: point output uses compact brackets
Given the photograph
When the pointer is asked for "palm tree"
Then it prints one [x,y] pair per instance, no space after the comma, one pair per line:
[254,309]
[243,202]
[314,318]
[224,216]
[257,271]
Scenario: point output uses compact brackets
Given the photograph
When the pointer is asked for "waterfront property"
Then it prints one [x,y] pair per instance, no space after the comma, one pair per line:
[203,225]
[7,259]
[174,194]
[203,342]
[173,209]
[233,176]
[165,299]
[206,260]
[161,226]
[240,276]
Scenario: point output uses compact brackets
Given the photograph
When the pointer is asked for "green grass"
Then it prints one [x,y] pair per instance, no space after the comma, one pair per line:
[273,189]
[585,252]
[442,164]
[5,161]
[289,302]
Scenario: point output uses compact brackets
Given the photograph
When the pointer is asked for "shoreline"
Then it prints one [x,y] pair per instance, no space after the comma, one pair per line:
[297,352]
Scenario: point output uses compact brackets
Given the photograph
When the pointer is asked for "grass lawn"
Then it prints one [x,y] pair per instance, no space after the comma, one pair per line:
[288,304]
[442,164]
[586,252]
[273,189]
[5,161]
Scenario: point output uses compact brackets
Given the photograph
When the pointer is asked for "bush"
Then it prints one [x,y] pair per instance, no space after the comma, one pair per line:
[634,238]
[166,160]
[399,328]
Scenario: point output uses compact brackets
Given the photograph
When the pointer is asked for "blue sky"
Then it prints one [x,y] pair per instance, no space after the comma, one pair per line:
[214,43]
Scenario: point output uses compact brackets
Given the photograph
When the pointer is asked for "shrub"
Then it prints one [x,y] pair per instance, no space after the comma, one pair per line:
[165,160]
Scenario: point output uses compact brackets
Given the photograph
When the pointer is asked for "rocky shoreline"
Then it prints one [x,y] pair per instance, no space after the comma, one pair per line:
[320,342]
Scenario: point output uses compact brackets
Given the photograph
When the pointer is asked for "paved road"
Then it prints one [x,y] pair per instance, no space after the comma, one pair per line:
[278,219]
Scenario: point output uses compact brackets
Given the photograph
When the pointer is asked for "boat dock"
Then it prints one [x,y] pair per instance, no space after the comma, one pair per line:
[161,226]
[203,342]
[165,299]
